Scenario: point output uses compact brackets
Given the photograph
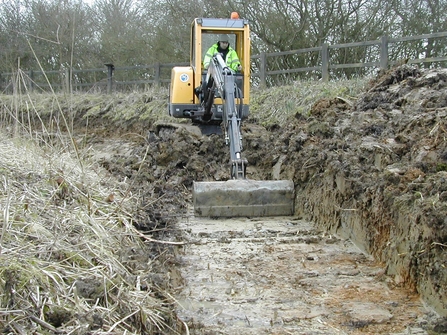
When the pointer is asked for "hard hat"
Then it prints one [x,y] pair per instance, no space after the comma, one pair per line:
[223,38]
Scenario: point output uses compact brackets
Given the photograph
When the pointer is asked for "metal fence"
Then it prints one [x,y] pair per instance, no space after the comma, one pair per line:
[326,62]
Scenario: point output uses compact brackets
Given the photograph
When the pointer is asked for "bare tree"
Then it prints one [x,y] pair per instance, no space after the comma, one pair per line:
[71,34]
[47,35]
[62,33]
[417,17]
[14,23]
[172,27]
[122,32]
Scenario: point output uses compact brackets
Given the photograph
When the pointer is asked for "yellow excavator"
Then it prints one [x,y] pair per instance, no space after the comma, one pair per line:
[217,100]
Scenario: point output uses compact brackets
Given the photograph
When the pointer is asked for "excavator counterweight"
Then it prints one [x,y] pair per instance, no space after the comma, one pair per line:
[219,95]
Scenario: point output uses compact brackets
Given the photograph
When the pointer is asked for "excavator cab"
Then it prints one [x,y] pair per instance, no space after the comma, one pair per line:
[188,84]
[219,97]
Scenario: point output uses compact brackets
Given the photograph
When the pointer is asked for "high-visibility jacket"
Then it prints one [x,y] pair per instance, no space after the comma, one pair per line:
[231,59]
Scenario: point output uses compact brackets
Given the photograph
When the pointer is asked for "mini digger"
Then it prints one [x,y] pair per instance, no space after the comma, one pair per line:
[217,99]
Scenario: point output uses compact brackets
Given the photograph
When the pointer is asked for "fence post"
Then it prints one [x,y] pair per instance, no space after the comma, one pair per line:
[325,62]
[384,53]
[110,69]
[68,80]
[157,73]
[263,69]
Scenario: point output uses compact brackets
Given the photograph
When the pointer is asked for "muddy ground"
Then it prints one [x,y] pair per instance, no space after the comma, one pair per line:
[282,275]
[371,170]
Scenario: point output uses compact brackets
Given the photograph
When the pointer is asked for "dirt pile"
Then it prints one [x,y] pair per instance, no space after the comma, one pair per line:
[375,171]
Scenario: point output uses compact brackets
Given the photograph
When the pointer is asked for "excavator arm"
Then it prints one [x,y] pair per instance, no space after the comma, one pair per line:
[239,196]
[220,81]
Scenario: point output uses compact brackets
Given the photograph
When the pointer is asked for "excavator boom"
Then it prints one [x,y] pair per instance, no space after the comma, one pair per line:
[223,80]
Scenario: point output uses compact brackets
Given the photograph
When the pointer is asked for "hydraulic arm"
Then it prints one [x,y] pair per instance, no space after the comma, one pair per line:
[220,82]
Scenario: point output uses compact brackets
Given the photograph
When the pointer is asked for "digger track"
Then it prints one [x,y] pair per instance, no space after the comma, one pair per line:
[281,275]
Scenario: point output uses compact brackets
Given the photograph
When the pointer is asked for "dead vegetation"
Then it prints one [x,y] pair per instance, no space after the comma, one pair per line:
[72,261]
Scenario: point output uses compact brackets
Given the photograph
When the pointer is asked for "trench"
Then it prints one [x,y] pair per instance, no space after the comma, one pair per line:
[371,192]
[283,275]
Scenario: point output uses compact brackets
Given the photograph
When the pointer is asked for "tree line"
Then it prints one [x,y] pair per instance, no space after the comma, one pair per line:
[60,34]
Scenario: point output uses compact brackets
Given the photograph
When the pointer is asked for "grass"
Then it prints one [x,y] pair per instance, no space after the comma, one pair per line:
[64,246]
[71,260]
[278,105]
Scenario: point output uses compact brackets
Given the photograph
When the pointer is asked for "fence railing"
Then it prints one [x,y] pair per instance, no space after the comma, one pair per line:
[107,79]
[329,61]
[325,62]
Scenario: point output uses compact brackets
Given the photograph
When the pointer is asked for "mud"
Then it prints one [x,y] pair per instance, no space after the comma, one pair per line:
[372,171]
[283,276]
[364,252]
[382,177]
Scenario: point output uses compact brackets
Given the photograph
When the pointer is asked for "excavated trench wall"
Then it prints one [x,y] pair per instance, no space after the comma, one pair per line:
[396,236]
[376,173]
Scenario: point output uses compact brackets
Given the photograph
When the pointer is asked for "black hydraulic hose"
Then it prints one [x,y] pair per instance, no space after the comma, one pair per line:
[208,98]
[240,102]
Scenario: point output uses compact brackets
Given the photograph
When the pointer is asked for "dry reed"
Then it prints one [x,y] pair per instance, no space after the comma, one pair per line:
[71,261]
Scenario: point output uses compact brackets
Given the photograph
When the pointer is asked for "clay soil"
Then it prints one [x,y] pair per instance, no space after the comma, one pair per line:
[366,249]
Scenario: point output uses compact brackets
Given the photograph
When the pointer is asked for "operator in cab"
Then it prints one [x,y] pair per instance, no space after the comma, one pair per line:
[228,54]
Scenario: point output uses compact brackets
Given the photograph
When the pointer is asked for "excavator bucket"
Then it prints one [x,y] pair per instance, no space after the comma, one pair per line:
[236,198]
